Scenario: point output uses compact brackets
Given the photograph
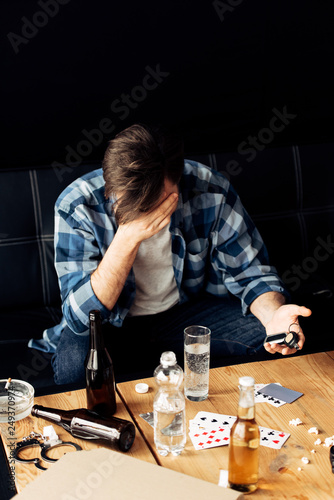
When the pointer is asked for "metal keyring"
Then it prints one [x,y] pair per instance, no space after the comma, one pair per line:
[293,330]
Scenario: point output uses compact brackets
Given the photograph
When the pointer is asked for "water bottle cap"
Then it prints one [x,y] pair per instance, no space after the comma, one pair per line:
[168,358]
[141,388]
[246,381]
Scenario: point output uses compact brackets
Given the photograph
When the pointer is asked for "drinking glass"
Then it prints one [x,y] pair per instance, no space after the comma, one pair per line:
[196,362]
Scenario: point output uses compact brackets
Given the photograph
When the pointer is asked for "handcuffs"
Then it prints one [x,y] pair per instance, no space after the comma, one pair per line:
[46,444]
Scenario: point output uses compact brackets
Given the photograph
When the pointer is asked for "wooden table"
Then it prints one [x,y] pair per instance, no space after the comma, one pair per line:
[25,473]
[280,477]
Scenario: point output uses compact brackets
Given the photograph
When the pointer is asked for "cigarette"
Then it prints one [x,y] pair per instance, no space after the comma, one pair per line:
[7,384]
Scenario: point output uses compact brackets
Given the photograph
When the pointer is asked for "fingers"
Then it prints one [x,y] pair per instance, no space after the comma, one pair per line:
[167,207]
[150,223]
[294,310]
[283,349]
[168,202]
[304,311]
[159,217]
[274,348]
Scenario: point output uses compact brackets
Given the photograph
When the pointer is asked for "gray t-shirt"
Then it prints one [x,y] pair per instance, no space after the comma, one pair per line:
[156,288]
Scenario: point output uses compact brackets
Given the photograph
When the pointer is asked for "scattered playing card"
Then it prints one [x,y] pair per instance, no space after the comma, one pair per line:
[209,429]
[280,392]
[210,419]
[209,438]
[261,397]
[148,417]
[272,438]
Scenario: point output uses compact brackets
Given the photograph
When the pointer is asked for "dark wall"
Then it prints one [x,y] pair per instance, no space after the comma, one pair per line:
[216,69]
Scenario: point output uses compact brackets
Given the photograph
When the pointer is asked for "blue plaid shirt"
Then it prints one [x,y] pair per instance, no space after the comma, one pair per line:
[215,248]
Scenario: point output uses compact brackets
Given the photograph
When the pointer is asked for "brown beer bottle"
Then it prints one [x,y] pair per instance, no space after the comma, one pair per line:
[100,380]
[86,424]
[243,467]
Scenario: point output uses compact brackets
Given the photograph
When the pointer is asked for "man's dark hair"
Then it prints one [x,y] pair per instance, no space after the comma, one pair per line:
[135,165]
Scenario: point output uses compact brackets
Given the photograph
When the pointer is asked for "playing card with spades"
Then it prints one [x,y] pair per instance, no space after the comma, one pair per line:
[264,398]
[208,430]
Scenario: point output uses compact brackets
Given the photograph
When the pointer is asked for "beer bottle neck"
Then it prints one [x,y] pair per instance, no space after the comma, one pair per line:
[96,336]
[60,417]
[246,408]
[51,414]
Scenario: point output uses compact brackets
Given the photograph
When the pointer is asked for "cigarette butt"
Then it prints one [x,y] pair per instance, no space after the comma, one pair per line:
[7,384]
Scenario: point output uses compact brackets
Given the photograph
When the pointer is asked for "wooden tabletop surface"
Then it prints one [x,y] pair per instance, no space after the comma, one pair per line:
[280,477]
[25,473]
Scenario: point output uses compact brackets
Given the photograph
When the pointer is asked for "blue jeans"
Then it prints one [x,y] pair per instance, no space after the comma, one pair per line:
[135,348]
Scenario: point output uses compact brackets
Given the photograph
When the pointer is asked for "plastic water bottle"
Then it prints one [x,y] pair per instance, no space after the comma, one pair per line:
[169,407]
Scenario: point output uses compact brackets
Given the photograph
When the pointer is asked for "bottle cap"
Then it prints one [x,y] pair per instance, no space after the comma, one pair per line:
[141,388]
[246,381]
[168,358]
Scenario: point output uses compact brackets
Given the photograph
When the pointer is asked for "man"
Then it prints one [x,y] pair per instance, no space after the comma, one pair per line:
[157,243]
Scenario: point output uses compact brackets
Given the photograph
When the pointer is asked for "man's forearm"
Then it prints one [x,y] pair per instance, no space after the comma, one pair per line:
[109,278]
[264,306]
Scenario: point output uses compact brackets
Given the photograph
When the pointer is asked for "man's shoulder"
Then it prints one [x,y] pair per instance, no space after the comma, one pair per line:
[85,190]
[196,173]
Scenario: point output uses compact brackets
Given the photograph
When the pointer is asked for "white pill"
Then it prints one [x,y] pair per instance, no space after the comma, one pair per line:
[141,388]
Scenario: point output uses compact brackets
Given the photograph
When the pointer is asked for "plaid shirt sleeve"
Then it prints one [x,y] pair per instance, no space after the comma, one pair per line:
[239,256]
[80,241]
[224,252]
[76,257]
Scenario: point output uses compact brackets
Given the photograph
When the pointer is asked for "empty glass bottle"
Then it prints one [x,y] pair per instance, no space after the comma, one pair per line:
[86,424]
[100,380]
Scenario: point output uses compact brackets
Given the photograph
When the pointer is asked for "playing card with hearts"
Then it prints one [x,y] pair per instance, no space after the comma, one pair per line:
[272,438]
[209,438]
[208,430]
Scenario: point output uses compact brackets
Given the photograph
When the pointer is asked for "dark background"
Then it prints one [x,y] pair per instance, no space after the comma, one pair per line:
[227,66]
[227,69]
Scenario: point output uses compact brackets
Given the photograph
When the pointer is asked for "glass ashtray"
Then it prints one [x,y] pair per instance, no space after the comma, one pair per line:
[16,400]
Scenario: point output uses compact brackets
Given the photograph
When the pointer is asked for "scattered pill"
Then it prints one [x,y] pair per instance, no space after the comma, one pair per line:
[141,388]
[295,421]
[329,441]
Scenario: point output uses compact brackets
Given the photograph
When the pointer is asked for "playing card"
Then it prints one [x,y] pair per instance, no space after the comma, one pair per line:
[209,429]
[272,438]
[280,392]
[148,417]
[212,420]
[261,397]
[209,438]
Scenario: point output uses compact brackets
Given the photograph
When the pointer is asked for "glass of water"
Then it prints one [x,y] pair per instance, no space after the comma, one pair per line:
[196,362]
